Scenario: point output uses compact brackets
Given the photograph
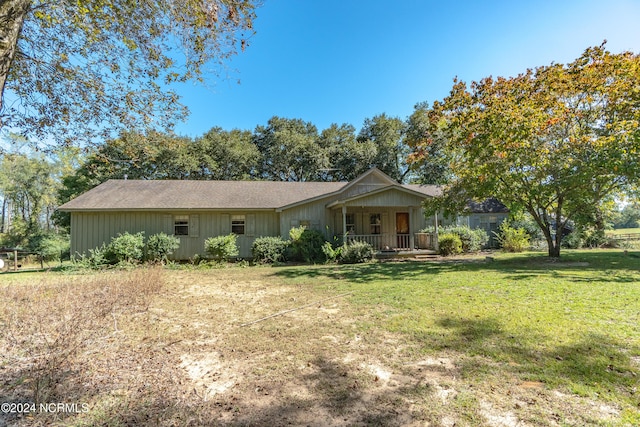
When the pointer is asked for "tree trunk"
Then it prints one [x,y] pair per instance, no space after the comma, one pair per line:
[554,250]
[4,212]
[553,245]
[12,15]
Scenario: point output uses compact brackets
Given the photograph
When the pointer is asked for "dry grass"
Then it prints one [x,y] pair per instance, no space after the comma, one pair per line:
[168,348]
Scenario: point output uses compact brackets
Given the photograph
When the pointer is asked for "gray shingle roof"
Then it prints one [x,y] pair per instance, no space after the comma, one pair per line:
[490,205]
[427,190]
[146,195]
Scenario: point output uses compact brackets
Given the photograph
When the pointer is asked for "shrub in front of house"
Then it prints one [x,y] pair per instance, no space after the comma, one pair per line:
[222,247]
[269,249]
[449,244]
[356,252]
[306,245]
[160,246]
[512,239]
[125,247]
[473,239]
[332,253]
[95,260]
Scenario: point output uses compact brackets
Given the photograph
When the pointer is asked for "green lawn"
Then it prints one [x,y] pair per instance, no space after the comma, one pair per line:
[515,340]
[571,325]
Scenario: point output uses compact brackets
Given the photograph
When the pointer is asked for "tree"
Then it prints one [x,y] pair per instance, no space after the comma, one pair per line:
[28,187]
[227,155]
[420,132]
[387,135]
[80,69]
[556,141]
[629,216]
[348,157]
[289,149]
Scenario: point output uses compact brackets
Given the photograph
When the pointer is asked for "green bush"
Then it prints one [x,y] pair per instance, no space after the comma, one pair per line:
[449,244]
[125,247]
[527,222]
[95,260]
[356,252]
[331,252]
[52,247]
[222,247]
[160,246]
[512,239]
[594,238]
[587,237]
[472,240]
[306,245]
[572,240]
[269,249]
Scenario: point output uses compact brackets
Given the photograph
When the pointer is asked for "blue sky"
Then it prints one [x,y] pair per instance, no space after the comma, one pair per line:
[327,61]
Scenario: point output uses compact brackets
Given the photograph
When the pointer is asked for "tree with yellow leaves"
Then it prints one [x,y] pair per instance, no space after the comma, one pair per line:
[555,141]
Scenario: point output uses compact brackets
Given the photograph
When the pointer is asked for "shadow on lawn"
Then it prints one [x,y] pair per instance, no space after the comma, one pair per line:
[595,362]
[334,396]
[601,265]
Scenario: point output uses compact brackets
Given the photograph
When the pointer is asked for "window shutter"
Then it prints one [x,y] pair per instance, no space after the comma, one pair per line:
[250,225]
[168,224]
[225,226]
[315,225]
[295,223]
[386,226]
[194,225]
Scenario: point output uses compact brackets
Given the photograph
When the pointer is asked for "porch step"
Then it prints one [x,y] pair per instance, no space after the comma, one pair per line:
[417,254]
[426,256]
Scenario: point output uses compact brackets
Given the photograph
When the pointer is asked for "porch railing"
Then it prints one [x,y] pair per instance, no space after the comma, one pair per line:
[395,241]
[375,240]
[383,241]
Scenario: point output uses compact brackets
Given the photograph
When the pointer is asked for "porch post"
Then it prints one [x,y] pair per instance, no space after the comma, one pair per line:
[435,244]
[412,243]
[344,224]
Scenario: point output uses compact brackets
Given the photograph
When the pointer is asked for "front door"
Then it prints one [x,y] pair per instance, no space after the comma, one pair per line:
[402,230]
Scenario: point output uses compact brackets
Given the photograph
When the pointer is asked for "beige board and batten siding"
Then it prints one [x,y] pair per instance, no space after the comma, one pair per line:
[314,214]
[92,230]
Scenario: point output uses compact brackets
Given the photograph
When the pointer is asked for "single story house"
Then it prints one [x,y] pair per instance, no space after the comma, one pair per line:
[372,207]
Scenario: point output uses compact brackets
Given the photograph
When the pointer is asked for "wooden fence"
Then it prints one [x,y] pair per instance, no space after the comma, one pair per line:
[626,237]
[14,259]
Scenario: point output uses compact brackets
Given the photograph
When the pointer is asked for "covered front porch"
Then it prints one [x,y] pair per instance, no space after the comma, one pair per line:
[388,217]
[386,228]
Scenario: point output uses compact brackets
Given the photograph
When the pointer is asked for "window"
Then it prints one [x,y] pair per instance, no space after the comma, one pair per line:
[237,224]
[350,220]
[305,223]
[375,221]
[181,225]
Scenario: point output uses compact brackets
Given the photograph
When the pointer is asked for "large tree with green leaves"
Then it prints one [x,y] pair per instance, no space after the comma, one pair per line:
[387,135]
[347,156]
[227,155]
[555,141]
[84,68]
[289,149]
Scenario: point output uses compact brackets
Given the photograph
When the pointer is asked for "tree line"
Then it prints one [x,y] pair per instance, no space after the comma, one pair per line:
[282,150]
